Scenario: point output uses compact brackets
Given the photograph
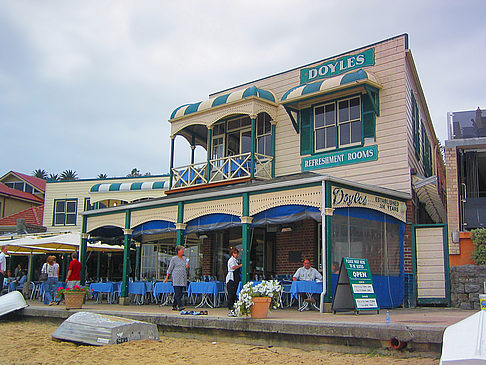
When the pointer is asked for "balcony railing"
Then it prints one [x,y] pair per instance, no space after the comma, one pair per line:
[222,169]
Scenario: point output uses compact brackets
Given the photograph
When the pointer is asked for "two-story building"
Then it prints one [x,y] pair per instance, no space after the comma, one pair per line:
[333,159]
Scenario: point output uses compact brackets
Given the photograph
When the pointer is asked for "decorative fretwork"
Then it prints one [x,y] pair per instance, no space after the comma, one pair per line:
[168,214]
[114,220]
[231,206]
[311,196]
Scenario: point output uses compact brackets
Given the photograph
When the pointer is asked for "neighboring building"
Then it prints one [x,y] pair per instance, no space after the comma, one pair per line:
[65,200]
[465,155]
[339,155]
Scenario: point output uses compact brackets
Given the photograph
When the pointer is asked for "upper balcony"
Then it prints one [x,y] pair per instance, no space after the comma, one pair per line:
[237,132]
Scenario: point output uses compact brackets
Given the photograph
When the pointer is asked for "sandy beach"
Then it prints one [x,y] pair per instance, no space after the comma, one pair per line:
[30,342]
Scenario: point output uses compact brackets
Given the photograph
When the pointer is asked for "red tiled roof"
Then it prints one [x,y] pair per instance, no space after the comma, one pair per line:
[32,215]
[38,183]
[4,189]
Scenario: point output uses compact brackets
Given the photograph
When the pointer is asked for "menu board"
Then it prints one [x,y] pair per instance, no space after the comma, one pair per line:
[354,290]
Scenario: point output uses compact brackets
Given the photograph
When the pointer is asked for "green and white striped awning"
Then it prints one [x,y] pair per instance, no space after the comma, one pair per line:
[332,84]
[135,186]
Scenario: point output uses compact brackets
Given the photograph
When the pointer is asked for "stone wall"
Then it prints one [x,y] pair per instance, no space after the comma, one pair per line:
[466,284]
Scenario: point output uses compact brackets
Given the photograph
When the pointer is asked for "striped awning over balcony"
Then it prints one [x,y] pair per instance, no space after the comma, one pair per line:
[330,85]
[251,91]
[136,186]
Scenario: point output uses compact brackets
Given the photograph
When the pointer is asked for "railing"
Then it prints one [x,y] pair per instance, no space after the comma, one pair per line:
[222,169]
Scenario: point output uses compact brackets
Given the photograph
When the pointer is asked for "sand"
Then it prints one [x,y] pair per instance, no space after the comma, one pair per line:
[30,342]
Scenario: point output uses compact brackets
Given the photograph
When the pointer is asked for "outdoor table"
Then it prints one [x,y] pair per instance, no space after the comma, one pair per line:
[102,288]
[166,290]
[206,289]
[138,289]
[60,284]
[307,287]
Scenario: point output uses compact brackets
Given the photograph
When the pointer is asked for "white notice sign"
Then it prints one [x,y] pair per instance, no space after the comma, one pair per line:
[363,288]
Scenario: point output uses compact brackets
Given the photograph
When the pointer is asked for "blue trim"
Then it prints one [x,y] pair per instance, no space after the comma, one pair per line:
[114,187]
[176,110]
[312,88]
[220,100]
[95,188]
[154,227]
[354,76]
[251,91]
[266,95]
[192,108]
[158,185]
[209,222]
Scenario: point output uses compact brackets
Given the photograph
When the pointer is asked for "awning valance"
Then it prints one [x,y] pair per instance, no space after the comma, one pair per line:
[136,186]
[187,109]
[360,77]
[428,194]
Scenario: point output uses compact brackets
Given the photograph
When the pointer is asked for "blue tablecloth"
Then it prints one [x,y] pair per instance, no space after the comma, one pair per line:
[137,288]
[163,288]
[203,287]
[305,287]
[241,286]
[102,288]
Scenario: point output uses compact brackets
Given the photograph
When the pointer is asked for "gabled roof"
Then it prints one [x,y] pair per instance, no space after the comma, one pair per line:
[33,216]
[40,184]
[5,190]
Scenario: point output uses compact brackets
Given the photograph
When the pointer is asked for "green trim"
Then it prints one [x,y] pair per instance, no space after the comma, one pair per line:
[245,260]
[295,123]
[83,249]
[328,218]
[180,212]
[273,150]
[109,178]
[171,175]
[210,152]
[126,255]
[252,153]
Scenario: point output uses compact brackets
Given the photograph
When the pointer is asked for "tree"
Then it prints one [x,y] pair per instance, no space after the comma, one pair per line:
[135,172]
[41,174]
[53,177]
[67,175]
[479,239]
[102,176]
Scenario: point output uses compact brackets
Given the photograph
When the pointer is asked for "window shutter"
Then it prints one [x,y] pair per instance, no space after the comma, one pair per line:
[306,131]
[369,118]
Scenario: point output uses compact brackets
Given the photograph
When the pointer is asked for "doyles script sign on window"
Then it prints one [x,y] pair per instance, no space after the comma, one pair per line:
[338,67]
[345,198]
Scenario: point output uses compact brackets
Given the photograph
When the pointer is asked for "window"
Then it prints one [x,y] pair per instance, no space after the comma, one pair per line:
[21,186]
[415,125]
[88,205]
[337,124]
[264,134]
[65,212]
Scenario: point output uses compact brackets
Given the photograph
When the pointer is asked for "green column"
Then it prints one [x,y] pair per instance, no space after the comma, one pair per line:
[253,145]
[65,266]
[171,161]
[273,149]
[83,249]
[137,261]
[328,264]
[124,300]
[210,147]
[193,148]
[245,238]
[180,226]
[98,266]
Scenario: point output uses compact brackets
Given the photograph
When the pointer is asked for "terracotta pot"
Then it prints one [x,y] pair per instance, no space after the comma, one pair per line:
[74,300]
[259,309]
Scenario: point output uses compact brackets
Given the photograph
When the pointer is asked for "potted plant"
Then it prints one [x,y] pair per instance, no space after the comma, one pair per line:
[74,297]
[257,300]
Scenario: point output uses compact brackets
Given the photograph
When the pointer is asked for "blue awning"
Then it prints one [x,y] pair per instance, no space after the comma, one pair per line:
[187,109]
[217,221]
[154,227]
[286,214]
[330,85]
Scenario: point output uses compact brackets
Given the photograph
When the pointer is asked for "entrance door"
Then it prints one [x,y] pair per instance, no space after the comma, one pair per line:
[431,264]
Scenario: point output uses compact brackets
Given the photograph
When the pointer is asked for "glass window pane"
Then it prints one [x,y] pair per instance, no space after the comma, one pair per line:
[320,134]
[268,145]
[71,206]
[331,137]
[245,142]
[70,218]
[246,121]
[356,132]
[344,132]
[28,188]
[330,114]
[234,124]
[354,108]
[59,218]
[260,125]
[319,117]
[267,128]
[60,205]
[343,111]
[261,145]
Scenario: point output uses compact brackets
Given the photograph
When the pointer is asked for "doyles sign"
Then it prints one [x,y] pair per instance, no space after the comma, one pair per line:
[344,198]
[338,67]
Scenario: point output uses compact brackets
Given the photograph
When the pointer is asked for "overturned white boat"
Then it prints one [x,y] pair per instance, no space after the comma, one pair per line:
[98,329]
[465,341]
[11,302]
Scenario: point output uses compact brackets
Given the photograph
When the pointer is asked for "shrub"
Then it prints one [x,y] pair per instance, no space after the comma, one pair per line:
[479,239]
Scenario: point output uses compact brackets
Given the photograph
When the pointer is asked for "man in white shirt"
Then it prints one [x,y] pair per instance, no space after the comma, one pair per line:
[307,273]
[3,266]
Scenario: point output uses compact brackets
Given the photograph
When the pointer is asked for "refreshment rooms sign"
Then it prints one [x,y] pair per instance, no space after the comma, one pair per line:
[338,67]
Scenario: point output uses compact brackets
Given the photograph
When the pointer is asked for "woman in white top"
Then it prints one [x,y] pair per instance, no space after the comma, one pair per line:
[232,280]
[50,286]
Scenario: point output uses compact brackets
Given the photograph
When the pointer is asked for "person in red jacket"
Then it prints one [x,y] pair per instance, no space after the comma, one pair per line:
[73,276]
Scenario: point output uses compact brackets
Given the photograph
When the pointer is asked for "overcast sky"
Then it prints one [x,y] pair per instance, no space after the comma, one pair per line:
[89,85]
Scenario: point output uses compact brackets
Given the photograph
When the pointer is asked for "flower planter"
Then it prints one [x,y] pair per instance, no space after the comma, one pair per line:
[259,309]
[74,300]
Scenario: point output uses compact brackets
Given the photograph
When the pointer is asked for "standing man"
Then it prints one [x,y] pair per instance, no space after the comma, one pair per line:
[3,266]
[74,272]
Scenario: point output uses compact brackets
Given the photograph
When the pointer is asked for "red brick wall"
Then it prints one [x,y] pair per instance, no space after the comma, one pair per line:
[206,259]
[302,238]
[407,238]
